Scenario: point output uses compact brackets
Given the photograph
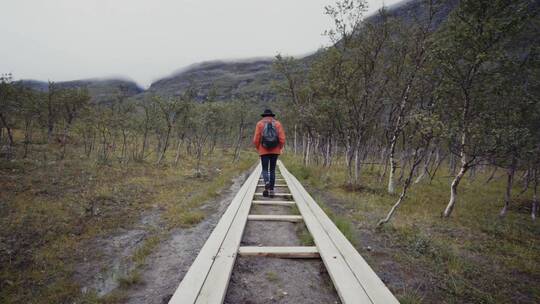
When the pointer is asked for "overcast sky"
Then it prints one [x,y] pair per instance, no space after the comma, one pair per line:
[148,39]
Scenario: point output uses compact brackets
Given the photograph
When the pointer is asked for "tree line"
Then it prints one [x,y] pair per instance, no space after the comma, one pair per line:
[151,128]
[412,94]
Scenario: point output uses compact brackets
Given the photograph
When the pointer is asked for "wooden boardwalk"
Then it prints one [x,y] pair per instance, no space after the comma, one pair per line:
[208,277]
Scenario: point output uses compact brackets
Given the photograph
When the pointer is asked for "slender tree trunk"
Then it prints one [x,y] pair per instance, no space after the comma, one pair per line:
[417,158]
[124,146]
[393,165]
[64,141]
[491,175]
[27,136]
[453,191]
[50,116]
[349,158]
[509,181]
[356,166]
[463,155]
[452,166]
[8,130]
[424,169]
[239,142]
[303,146]
[165,145]
[534,209]
[526,181]
[438,161]
[294,139]
[92,143]
[327,152]
[307,152]
[178,147]
[144,144]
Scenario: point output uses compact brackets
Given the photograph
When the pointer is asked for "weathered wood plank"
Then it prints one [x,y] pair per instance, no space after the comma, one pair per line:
[274,217]
[275,194]
[274,203]
[300,252]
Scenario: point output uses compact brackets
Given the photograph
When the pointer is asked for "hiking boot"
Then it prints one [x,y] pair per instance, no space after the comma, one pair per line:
[265,193]
[271,193]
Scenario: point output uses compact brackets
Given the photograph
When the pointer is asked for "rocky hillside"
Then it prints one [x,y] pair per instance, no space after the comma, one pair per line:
[221,80]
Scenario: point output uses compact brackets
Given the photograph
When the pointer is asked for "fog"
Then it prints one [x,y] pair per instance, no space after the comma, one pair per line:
[144,40]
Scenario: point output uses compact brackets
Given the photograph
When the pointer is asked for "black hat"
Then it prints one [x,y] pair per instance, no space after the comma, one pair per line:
[268,112]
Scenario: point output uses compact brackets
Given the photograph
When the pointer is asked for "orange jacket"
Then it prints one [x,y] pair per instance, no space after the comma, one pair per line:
[257,138]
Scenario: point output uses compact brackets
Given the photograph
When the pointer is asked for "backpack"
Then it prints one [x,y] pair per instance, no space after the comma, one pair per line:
[270,137]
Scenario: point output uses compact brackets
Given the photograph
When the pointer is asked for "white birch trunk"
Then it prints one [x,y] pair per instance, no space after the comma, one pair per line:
[453,191]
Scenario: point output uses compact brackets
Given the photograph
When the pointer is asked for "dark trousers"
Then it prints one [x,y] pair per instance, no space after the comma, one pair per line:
[268,162]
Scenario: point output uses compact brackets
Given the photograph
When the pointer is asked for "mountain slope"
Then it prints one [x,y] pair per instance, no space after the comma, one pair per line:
[221,80]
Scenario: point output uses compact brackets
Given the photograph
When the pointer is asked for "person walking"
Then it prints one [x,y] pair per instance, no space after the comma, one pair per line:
[269,139]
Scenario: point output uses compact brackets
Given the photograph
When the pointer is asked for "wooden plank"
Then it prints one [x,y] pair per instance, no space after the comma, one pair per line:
[198,274]
[370,283]
[301,252]
[278,194]
[274,203]
[275,186]
[274,217]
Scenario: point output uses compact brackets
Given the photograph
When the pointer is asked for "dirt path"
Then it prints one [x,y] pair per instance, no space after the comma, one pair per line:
[167,265]
[258,280]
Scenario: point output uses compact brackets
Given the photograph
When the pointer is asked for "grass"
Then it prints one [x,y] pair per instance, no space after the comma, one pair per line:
[272,276]
[306,239]
[140,255]
[132,279]
[473,257]
[51,209]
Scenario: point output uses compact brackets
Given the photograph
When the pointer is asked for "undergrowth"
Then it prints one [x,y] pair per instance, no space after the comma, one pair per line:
[473,257]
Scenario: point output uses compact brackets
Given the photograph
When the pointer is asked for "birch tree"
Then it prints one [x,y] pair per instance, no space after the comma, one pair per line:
[467,53]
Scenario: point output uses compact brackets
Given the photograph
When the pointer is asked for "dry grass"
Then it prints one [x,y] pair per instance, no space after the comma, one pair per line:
[50,208]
